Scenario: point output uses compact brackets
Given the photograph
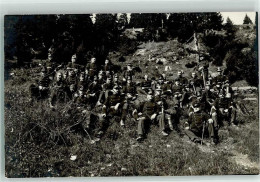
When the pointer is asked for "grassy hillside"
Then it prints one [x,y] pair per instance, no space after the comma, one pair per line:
[39,142]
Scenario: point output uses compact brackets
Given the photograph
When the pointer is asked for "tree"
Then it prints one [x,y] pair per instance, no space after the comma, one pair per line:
[247,20]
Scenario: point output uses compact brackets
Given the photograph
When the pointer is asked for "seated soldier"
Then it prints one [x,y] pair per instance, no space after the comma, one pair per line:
[82,80]
[166,88]
[149,112]
[72,78]
[146,85]
[101,78]
[223,109]
[92,68]
[177,92]
[183,80]
[93,92]
[106,88]
[130,94]
[111,108]
[128,72]
[73,65]
[108,68]
[195,82]
[166,111]
[41,90]
[59,92]
[200,125]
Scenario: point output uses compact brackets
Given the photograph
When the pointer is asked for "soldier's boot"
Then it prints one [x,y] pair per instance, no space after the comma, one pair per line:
[139,138]
[163,133]
[170,124]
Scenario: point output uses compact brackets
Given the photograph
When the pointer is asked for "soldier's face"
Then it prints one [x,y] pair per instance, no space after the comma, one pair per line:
[72,88]
[81,78]
[193,75]
[196,109]
[177,83]
[116,91]
[145,77]
[59,76]
[149,97]
[219,72]
[80,92]
[129,67]
[93,60]
[106,61]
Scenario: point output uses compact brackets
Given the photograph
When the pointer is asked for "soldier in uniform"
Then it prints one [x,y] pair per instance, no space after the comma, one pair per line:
[59,94]
[195,82]
[223,109]
[73,65]
[92,68]
[130,94]
[108,68]
[150,111]
[93,92]
[199,125]
[146,85]
[183,80]
[129,72]
[203,68]
[111,108]
[41,89]
[177,93]
[220,78]
[72,78]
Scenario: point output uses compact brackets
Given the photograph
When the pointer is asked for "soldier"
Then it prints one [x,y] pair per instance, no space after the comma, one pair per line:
[72,78]
[203,68]
[111,108]
[73,65]
[92,68]
[59,94]
[130,94]
[195,82]
[183,80]
[108,68]
[177,93]
[93,92]
[129,72]
[82,80]
[199,125]
[166,111]
[106,88]
[150,111]
[41,90]
[146,85]
[166,88]
[220,78]
[223,108]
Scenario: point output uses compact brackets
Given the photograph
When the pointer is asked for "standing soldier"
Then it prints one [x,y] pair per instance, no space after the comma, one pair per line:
[195,82]
[177,93]
[203,68]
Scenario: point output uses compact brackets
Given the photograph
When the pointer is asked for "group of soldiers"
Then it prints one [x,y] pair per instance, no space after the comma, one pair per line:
[207,102]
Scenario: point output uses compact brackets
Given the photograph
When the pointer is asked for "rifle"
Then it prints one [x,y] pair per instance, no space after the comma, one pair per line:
[203,76]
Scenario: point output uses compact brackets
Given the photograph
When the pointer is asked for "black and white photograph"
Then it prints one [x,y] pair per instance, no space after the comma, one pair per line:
[131,94]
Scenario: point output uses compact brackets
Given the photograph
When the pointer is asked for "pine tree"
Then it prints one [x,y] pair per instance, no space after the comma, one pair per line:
[247,20]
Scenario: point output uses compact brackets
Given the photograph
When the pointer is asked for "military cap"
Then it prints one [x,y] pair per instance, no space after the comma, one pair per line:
[129,64]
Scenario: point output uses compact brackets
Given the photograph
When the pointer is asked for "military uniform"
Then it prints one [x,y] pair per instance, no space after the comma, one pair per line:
[92,70]
[199,123]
